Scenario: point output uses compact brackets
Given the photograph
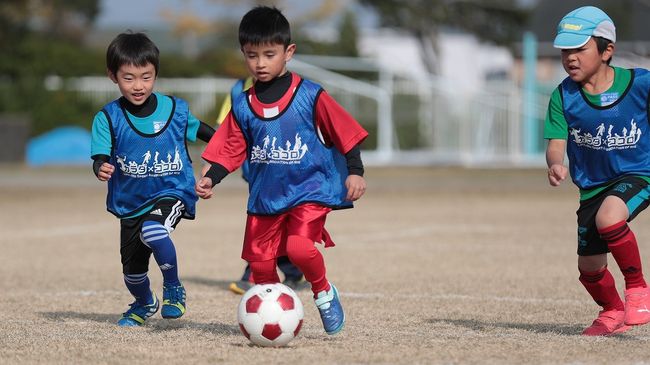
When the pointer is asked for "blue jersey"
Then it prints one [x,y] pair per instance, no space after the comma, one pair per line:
[149,166]
[288,163]
[606,142]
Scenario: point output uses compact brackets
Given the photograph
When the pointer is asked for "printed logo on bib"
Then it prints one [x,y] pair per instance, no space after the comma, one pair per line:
[270,153]
[608,98]
[167,165]
[157,126]
[612,140]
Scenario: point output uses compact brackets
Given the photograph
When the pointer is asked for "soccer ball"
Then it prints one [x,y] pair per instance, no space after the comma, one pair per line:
[270,314]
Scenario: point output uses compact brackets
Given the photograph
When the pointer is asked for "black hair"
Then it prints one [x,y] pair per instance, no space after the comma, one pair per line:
[601,45]
[131,49]
[262,25]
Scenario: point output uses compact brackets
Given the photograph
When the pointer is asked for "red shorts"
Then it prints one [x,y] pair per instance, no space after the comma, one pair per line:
[266,236]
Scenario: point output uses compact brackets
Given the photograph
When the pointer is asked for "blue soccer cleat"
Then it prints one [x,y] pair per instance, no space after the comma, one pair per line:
[138,313]
[331,312]
[173,302]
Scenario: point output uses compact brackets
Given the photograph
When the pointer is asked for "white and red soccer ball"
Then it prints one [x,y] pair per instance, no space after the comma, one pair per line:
[270,314]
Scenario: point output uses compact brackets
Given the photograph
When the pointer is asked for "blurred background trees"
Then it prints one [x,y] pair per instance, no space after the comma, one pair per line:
[41,38]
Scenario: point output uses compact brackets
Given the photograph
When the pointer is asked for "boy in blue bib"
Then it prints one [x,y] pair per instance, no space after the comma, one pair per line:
[599,116]
[139,147]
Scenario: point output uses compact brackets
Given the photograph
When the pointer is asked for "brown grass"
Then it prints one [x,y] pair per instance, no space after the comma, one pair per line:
[435,266]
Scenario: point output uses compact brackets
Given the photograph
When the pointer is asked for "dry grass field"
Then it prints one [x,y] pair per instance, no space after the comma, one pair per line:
[435,266]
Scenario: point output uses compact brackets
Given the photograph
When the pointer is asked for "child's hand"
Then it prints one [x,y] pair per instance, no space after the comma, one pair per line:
[356,186]
[556,174]
[203,188]
[105,171]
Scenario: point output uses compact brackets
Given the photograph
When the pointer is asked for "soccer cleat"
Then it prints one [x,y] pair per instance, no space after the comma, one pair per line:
[173,302]
[331,312]
[296,284]
[240,287]
[608,323]
[138,313]
[637,306]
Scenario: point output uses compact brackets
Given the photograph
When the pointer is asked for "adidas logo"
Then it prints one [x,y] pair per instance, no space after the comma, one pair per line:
[166,266]
[156,212]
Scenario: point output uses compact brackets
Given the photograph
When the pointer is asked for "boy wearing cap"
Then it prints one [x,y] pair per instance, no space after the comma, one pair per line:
[599,115]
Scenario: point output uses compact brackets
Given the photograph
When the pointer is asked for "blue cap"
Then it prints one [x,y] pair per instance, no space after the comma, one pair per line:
[578,26]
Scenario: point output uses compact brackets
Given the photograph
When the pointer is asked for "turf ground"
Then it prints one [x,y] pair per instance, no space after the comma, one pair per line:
[435,266]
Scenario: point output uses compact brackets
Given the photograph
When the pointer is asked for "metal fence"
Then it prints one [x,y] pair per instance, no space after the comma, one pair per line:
[411,122]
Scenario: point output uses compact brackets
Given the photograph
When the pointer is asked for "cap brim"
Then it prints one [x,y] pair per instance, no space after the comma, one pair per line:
[570,40]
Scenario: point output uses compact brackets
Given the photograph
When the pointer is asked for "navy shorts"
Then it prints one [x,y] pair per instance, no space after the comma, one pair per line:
[634,191]
[134,253]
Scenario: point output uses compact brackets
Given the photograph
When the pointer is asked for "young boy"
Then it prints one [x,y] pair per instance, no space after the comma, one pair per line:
[600,114]
[144,134]
[293,278]
[303,155]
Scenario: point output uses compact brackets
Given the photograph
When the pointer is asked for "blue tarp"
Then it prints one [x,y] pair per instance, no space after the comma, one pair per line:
[61,146]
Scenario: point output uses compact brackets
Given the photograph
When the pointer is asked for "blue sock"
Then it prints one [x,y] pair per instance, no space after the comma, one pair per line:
[156,237]
[138,285]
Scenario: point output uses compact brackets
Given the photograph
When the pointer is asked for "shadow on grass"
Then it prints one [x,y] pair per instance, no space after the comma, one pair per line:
[539,328]
[152,324]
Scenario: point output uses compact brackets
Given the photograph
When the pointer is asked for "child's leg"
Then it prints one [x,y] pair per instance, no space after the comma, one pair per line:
[156,237]
[303,253]
[289,270]
[264,272]
[138,285]
[599,282]
[135,261]
[613,229]
[625,250]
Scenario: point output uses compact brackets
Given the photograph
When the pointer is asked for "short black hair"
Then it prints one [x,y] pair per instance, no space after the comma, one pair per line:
[131,49]
[262,25]
[601,45]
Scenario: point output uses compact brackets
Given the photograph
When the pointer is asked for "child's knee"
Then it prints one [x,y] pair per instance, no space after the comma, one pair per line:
[153,233]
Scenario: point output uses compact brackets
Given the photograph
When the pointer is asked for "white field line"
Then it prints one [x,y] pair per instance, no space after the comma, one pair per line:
[362,296]
[411,232]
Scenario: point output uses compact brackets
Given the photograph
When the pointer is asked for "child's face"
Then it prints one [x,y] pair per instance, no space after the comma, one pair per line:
[584,62]
[135,82]
[267,61]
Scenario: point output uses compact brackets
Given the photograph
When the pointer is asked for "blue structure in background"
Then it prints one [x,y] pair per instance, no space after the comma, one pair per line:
[61,146]
[530,122]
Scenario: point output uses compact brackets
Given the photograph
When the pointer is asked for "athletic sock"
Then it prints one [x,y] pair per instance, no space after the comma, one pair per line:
[138,285]
[625,250]
[601,286]
[156,237]
[309,260]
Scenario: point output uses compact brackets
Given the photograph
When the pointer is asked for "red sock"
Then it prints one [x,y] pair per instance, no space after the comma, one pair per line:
[601,286]
[264,272]
[308,259]
[622,244]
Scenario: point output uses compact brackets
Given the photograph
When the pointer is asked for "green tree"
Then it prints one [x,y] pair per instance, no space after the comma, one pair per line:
[40,38]
[498,21]
[348,34]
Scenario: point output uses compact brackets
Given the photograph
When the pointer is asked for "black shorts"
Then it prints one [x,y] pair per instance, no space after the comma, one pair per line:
[634,191]
[135,254]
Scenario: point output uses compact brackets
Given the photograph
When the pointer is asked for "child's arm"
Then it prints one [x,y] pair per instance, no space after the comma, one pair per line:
[205,132]
[355,183]
[557,172]
[103,170]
